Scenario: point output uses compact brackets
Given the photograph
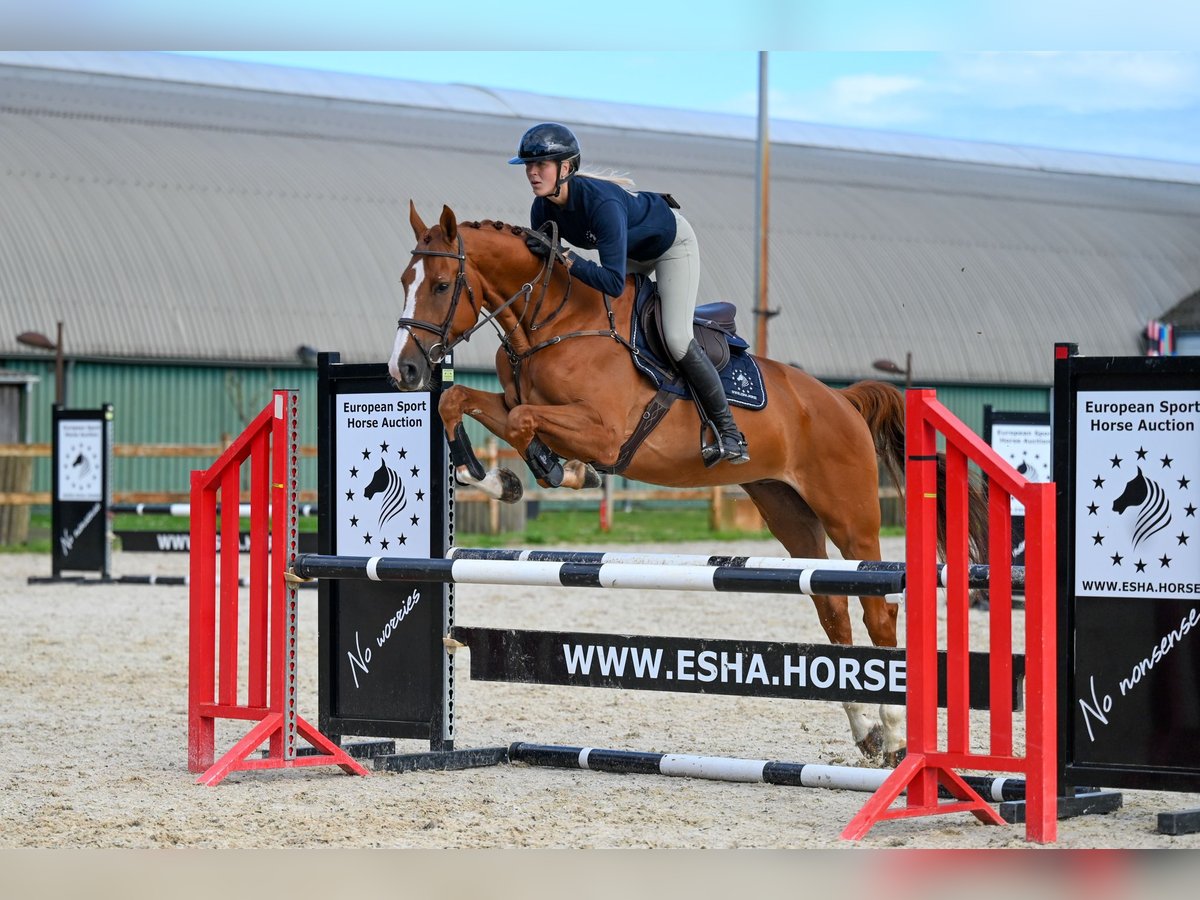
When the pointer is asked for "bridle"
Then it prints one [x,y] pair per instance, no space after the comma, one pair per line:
[437,352]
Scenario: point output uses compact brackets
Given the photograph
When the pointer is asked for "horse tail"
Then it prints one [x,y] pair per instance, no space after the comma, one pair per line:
[882,406]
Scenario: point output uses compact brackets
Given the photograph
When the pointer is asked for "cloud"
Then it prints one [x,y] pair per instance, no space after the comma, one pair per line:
[865,90]
[1087,82]
[945,86]
[867,100]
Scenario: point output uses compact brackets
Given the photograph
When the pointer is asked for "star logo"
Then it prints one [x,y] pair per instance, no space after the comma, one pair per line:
[1142,518]
[380,495]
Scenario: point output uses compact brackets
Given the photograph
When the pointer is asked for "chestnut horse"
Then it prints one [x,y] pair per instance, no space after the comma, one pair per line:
[571,390]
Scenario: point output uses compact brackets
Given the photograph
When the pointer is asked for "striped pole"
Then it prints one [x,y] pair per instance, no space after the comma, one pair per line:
[184,510]
[719,768]
[167,580]
[607,575]
[977,574]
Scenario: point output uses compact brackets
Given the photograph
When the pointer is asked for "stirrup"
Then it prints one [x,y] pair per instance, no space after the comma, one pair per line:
[735,451]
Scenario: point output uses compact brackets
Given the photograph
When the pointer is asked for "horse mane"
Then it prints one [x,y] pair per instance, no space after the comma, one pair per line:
[496,224]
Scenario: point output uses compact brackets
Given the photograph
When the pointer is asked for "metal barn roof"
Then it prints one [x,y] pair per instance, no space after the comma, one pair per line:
[182,209]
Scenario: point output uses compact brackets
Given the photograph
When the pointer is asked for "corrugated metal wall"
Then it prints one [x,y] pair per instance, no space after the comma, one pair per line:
[176,221]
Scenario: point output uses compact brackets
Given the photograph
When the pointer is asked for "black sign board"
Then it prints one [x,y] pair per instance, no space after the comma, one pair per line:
[856,674]
[382,481]
[1023,440]
[1127,463]
[80,492]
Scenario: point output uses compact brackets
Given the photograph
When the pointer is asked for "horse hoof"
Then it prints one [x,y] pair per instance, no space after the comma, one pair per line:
[871,746]
[893,758]
[591,478]
[511,489]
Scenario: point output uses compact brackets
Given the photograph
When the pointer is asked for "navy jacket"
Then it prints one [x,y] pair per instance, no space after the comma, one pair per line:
[603,216]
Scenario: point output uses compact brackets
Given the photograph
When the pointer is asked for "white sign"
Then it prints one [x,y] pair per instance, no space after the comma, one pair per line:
[80,460]
[381,488]
[1137,486]
[1026,447]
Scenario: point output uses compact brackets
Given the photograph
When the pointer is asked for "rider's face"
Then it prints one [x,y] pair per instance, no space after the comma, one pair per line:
[542,176]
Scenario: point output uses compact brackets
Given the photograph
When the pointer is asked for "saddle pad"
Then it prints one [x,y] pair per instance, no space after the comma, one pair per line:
[740,377]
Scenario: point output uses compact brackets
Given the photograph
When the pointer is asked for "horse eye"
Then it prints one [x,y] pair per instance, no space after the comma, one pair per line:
[441,287]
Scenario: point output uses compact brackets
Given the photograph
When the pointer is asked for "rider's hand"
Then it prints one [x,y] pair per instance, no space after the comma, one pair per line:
[537,246]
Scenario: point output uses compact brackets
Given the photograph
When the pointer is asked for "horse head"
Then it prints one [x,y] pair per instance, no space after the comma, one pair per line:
[439,301]
[458,279]
[1135,493]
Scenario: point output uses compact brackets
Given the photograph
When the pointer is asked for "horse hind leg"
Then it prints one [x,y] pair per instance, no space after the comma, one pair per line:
[887,739]
[796,526]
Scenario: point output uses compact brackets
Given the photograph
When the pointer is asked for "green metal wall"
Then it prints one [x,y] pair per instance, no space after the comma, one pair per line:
[194,404]
[167,404]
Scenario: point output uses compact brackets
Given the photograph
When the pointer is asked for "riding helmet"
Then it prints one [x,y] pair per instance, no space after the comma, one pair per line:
[546,141]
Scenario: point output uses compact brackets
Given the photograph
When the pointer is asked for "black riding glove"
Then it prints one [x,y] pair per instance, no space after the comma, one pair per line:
[537,246]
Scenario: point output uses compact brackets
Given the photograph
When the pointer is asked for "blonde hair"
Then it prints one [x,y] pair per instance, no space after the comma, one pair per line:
[609,175]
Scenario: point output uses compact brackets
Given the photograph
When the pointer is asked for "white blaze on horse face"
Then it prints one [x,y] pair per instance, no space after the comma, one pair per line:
[403,333]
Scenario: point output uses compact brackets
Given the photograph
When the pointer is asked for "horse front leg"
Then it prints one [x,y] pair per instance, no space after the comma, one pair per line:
[577,431]
[489,410]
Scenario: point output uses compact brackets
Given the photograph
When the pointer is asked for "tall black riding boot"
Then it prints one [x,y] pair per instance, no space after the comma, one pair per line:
[698,369]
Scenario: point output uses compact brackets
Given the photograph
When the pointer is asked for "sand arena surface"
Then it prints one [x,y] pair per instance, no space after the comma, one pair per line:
[93,734]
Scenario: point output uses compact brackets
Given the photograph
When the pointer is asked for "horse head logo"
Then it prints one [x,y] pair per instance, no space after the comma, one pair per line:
[388,483]
[1154,508]
[82,463]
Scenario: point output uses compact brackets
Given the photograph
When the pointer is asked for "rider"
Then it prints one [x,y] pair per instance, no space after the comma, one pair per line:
[632,231]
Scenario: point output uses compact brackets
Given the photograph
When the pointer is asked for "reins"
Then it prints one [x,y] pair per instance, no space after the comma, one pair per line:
[440,349]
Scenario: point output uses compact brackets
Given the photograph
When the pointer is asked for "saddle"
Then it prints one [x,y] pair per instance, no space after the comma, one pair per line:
[712,326]
[715,332]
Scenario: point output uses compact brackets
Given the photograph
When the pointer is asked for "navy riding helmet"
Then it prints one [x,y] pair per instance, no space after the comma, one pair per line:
[546,141]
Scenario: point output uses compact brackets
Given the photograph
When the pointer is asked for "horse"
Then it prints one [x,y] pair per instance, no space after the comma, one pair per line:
[571,390]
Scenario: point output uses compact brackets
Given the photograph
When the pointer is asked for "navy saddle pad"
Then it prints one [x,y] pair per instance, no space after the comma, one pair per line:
[740,375]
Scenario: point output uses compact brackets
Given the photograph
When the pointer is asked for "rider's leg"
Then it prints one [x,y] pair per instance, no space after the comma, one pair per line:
[677,273]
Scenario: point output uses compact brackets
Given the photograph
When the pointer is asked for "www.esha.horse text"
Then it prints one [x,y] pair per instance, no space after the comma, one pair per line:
[398,407]
[1164,407]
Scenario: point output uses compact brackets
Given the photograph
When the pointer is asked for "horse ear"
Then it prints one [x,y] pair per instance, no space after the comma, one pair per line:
[418,226]
[449,223]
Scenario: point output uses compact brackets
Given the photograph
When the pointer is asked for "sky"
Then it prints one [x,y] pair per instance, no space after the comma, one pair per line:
[1140,103]
[1103,76]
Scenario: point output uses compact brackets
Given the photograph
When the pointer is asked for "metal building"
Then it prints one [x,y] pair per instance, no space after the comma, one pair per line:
[202,226]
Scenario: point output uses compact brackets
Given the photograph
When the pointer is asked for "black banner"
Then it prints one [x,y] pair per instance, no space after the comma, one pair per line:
[859,674]
[181,541]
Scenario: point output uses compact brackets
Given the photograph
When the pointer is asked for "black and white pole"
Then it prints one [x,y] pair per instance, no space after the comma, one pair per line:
[184,510]
[977,575]
[720,768]
[602,575]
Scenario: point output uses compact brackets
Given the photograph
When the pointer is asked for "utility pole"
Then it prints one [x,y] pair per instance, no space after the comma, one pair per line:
[761,213]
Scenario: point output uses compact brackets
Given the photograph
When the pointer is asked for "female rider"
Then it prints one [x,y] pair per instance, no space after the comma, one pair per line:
[632,232]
